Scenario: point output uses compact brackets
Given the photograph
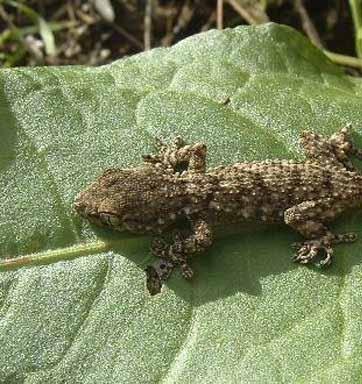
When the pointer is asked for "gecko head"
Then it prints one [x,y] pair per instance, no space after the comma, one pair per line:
[99,212]
[118,199]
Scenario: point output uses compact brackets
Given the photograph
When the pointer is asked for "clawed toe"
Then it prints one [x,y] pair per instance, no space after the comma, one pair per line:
[309,251]
[157,274]
[186,271]
[345,238]
[320,251]
[171,257]
[159,248]
[297,245]
[327,260]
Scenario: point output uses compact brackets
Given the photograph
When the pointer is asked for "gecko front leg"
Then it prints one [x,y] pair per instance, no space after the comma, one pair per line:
[180,155]
[308,218]
[183,247]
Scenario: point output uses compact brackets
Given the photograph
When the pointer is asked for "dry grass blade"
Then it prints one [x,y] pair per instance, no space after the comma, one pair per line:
[307,24]
[148,25]
[252,14]
[219,14]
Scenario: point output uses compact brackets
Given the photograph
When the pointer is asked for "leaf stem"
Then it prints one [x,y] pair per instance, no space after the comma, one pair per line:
[356,10]
[348,61]
[55,255]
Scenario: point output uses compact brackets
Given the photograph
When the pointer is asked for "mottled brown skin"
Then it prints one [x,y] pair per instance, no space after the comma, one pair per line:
[174,185]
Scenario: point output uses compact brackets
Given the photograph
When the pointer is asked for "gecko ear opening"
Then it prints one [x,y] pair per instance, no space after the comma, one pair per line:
[182,166]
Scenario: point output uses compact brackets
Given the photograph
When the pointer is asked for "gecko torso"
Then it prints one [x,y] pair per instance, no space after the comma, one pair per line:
[174,186]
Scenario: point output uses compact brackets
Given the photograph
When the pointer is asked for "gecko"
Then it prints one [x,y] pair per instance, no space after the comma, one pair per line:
[174,186]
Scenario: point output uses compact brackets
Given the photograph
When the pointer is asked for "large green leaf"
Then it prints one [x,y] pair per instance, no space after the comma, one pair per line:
[249,315]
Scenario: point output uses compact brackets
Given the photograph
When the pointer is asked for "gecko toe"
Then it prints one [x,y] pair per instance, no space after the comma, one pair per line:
[159,248]
[153,281]
[327,259]
[157,274]
[296,245]
[309,252]
[345,238]
[186,271]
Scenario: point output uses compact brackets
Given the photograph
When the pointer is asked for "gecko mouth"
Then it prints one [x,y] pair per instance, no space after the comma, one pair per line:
[103,219]
[106,220]
[81,208]
[110,219]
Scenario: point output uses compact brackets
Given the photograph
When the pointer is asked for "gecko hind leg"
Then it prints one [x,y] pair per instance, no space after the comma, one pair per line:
[309,250]
[308,218]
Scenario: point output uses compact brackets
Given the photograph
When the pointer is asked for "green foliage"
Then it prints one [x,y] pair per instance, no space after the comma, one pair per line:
[16,34]
[356,10]
[250,315]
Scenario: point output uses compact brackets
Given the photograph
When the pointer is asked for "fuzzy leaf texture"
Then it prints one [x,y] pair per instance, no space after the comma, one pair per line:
[250,315]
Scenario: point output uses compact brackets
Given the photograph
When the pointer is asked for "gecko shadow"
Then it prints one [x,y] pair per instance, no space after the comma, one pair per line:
[243,262]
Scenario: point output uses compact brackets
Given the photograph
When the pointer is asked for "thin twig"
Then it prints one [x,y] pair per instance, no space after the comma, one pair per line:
[187,11]
[127,35]
[6,17]
[243,12]
[307,24]
[183,20]
[169,17]
[219,14]
[211,20]
[148,25]
[348,61]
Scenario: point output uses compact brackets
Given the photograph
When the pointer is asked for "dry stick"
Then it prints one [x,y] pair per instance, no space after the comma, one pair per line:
[219,14]
[242,12]
[127,35]
[60,12]
[168,36]
[70,11]
[185,16]
[212,18]
[307,24]
[148,25]
[7,18]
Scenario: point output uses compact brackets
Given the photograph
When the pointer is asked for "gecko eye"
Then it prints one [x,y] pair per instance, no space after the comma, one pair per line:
[162,266]
[110,219]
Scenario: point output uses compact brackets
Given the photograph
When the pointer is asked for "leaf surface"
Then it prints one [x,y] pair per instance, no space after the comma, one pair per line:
[249,315]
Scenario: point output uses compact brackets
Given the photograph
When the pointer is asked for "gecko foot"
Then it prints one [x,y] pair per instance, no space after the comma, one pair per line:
[159,248]
[172,254]
[309,250]
[157,274]
[186,270]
